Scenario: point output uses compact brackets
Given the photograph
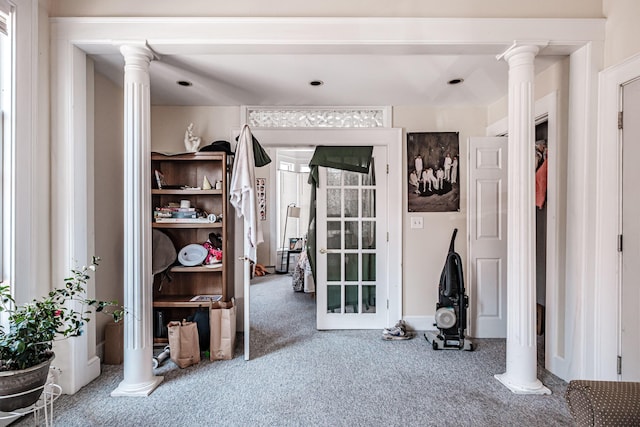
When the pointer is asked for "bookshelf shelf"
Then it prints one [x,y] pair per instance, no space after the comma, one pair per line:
[197,269]
[187,225]
[186,192]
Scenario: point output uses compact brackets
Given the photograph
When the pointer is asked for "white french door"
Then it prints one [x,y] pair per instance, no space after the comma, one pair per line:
[352,255]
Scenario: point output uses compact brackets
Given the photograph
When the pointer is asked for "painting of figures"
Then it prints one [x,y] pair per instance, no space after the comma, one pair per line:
[433,171]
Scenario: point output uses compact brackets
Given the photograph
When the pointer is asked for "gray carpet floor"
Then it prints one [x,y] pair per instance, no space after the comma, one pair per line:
[299,376]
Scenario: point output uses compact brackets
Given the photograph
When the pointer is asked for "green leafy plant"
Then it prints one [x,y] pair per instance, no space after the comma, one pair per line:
[35,325]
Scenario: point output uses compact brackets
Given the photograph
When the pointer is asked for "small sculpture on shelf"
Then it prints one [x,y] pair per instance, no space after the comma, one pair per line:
[191,142]
[206,185]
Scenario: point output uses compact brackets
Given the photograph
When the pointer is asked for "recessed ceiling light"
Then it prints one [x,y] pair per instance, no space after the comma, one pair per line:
[184,83]
[455,81]
[316,82]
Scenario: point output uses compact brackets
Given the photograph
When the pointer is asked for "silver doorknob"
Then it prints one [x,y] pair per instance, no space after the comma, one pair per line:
[323,251]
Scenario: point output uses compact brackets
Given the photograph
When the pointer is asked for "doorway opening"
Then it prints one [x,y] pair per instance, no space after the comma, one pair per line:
[293,203]
[541,166]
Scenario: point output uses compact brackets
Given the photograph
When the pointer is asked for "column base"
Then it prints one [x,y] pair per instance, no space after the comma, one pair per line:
[533,388]
[136,390]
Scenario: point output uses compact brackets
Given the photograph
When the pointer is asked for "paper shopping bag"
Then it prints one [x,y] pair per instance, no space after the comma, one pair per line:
[223,329]
[184,348]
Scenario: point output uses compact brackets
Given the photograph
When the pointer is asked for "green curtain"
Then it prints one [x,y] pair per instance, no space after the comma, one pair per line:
[354,159]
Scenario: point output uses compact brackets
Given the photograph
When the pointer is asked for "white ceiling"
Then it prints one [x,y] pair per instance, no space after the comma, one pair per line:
[349,79]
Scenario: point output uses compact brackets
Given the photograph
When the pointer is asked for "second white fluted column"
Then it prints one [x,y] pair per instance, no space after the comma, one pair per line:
[521,359]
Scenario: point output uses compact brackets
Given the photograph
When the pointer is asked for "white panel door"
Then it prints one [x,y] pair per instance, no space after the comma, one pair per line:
[630,292]
[352,255]
[488,237]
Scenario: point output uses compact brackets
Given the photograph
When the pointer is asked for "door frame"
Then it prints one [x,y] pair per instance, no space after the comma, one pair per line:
[391,138]
[546,108]
[608,218]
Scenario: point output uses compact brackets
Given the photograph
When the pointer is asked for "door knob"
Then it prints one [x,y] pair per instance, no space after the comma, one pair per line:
[323,251]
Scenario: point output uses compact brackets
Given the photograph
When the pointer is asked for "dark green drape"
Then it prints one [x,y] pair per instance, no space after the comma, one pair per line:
[260,156]
[354,159]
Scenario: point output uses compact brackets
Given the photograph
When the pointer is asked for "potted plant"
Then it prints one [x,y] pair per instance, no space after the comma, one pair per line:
[26,345]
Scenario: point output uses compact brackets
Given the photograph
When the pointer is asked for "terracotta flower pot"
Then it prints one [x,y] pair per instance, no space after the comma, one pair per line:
[12,383]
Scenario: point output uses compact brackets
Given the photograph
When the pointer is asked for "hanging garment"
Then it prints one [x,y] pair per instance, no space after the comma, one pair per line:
[541,184]
[243,193]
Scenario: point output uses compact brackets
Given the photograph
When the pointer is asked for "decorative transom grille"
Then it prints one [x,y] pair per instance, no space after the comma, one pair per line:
[316,117]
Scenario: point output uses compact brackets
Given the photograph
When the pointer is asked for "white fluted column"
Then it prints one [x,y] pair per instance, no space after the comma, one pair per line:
[138,279]
[521,372]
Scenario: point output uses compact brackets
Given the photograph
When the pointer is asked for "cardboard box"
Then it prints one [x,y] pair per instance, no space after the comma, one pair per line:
[114,343]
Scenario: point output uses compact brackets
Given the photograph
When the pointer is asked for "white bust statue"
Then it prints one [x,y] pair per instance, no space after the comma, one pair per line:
[191,142]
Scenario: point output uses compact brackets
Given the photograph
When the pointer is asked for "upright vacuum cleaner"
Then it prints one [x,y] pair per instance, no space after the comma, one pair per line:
[451,309]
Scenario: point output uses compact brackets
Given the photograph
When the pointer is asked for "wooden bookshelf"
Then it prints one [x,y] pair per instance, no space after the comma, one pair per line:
[172,292]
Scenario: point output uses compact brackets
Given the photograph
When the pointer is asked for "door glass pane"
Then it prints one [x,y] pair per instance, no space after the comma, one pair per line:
[334,270]
[334,236]
[351,203]
[333,298]
[351,299]
[333,177]
[368,235]
[368,299]
[368,267]
[368,203]
[369,179]
[351,235]
[351,267]
[334,202]
[350,178]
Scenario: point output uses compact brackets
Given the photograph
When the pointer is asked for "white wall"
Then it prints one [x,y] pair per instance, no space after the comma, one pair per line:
[622,34]
[108,193]
[425,249]
[357,8]
[168,125]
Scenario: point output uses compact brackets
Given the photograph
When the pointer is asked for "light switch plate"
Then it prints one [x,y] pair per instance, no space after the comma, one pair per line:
[416,222]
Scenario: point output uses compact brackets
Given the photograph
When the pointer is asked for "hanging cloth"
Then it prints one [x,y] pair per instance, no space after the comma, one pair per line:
[354,159]
[243,192]
[541,184]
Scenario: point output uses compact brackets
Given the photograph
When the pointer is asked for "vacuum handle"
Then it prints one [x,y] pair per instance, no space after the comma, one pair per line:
[453,239]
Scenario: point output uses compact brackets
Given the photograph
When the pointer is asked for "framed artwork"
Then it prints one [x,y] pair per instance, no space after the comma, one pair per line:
[433,171]
[261,193]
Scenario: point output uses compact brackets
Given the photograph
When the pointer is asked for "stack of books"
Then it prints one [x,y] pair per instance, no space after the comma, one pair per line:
[174,212]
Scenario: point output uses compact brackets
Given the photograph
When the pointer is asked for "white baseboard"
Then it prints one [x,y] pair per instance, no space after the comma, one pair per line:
[420,323]
[100,350]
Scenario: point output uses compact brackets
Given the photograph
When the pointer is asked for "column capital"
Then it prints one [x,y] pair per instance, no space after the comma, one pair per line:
[523,47]
[133,51]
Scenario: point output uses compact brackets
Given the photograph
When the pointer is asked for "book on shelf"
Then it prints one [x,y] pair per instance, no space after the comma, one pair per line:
[206,298]
[162,184]
[177,208]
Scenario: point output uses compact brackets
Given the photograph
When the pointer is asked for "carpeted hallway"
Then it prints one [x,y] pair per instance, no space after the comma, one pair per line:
[302,377]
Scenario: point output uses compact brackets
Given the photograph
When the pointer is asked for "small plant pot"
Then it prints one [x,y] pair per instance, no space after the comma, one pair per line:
[19,389]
